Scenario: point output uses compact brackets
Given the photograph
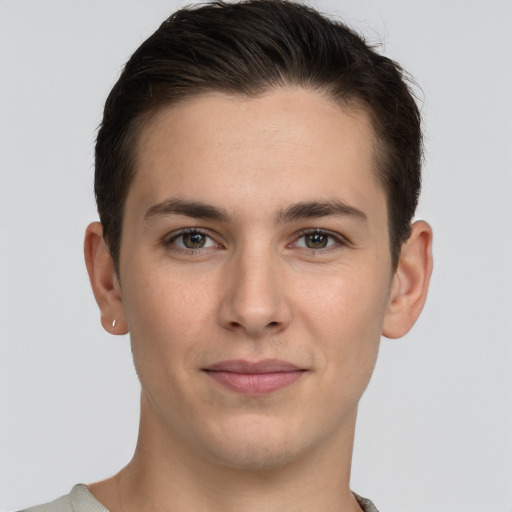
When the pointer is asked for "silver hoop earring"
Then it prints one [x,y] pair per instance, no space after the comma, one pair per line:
[114,325]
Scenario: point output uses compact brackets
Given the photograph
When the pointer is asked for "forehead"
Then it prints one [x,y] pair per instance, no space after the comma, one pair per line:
[284,145]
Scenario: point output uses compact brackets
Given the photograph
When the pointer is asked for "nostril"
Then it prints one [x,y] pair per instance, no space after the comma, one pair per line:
[273,324]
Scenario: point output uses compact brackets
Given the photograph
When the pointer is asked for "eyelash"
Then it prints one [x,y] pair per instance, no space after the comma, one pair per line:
[171,241]
[338,239]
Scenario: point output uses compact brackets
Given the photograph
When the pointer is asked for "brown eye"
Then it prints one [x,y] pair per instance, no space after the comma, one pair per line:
[193,240]
[316,240]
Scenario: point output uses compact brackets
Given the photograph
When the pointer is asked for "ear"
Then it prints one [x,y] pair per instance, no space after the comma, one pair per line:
[104,282]
[410,282]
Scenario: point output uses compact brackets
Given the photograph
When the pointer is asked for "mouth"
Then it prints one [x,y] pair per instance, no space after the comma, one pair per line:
[256,378]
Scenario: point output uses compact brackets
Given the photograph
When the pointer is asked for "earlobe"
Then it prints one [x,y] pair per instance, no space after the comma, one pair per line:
[104,282]
[410,283]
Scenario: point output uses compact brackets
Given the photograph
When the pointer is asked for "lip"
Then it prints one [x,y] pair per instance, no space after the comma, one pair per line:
[254,378]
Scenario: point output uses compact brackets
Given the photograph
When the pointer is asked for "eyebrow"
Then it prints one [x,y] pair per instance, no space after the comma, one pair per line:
[298,211]
[314,209]
[194,209]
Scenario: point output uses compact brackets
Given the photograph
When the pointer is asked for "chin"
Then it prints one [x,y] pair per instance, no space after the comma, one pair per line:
[251,457]
[256,444]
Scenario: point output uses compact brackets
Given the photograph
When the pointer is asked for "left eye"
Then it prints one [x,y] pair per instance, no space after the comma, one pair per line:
[316,240]
[193,240]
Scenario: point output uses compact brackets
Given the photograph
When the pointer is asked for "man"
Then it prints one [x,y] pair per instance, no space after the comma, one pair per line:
[257,171]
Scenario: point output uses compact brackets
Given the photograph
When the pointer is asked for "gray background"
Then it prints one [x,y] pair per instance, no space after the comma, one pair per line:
[435,425]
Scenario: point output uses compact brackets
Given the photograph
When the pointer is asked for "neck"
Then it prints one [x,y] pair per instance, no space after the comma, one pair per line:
[166,474]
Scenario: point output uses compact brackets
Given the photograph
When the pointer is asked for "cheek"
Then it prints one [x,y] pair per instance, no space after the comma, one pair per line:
[346,320]
[166,300]
[167,320]
[348,304]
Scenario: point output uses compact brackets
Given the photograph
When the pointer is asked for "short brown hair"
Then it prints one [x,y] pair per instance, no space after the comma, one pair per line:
[249,48]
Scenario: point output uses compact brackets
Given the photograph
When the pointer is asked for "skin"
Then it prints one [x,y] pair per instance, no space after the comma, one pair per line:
[265,284]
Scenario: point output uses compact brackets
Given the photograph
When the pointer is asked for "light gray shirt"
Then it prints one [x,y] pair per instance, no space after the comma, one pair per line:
[81,500]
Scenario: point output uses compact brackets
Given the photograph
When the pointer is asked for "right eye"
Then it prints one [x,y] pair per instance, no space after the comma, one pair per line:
[192,240]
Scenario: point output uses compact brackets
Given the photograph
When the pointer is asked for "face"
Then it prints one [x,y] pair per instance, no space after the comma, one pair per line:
[255,273]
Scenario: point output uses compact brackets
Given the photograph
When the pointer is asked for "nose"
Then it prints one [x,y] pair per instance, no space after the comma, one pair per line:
[254,295]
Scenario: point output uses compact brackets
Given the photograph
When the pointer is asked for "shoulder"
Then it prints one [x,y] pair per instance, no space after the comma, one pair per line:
[78,500]
[62,504]
[365,504]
